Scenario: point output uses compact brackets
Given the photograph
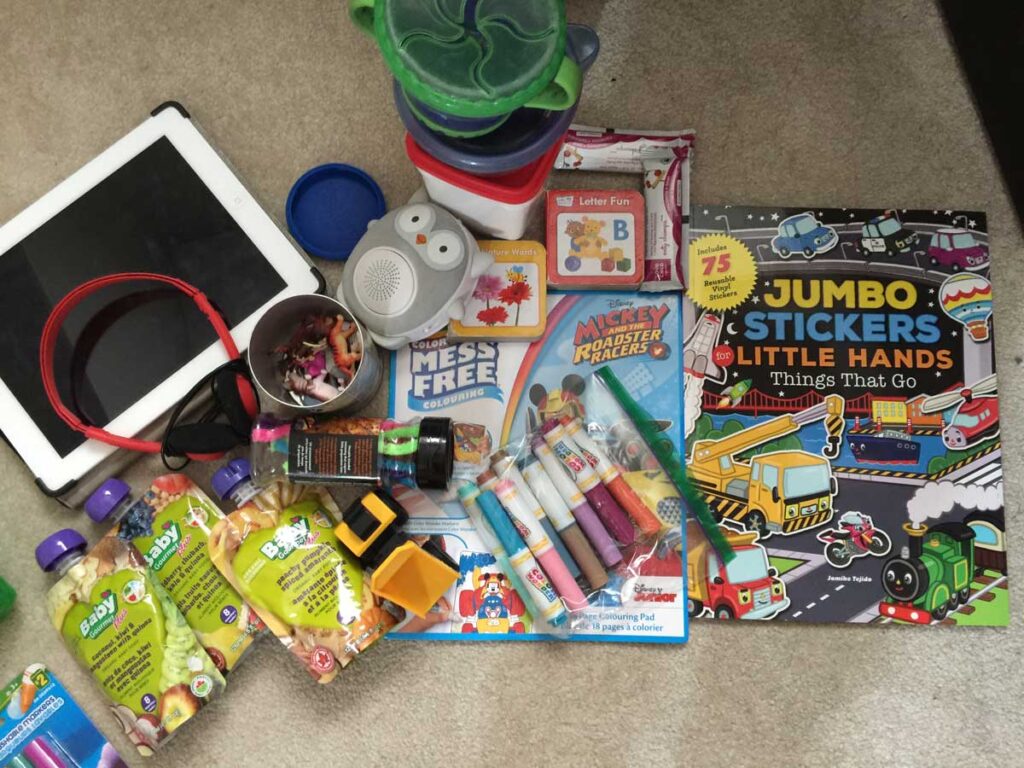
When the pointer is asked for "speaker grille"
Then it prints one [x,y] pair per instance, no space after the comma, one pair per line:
[384,281]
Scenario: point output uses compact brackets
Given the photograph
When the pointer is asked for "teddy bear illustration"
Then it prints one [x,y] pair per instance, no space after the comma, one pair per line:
[586,242]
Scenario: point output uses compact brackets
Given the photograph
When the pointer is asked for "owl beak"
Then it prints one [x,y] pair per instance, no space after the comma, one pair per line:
[421,239]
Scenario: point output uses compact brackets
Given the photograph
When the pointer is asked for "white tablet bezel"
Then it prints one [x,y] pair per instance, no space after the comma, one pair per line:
[55,473]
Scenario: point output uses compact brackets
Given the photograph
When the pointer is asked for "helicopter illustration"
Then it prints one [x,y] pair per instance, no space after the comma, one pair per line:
[977,413]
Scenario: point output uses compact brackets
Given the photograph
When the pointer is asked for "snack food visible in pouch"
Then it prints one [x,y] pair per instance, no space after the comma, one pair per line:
[595,238]
[279,550]
[124,628]
[356,451]
[170,525]
[509,300]
[617,150]
[667,198]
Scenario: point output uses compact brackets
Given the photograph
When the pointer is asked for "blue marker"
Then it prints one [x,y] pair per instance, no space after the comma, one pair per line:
[526,575]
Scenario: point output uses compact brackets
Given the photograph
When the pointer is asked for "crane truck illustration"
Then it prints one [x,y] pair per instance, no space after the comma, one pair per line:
[783,492]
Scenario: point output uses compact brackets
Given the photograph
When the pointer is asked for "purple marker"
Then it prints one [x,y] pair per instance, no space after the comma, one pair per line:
[612,515]
[573,497]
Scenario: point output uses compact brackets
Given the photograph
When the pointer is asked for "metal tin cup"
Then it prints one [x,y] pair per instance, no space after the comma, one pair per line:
[275,328]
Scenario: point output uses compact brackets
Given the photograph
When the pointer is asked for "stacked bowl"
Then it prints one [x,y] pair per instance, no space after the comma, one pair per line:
[486,90]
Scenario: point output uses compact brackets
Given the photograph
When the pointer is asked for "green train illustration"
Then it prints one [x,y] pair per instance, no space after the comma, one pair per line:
[932,574]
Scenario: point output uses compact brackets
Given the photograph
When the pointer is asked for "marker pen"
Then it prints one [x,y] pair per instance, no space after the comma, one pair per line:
[645,520]
[559,514]
[539,543]
[505,468]
[41,755]
[611,514]
[469,495]
[578,505]
[538,588]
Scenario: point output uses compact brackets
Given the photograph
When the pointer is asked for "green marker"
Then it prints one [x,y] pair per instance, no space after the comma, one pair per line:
[670,461]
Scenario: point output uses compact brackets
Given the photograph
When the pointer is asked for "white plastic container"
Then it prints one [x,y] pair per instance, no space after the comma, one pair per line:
[499,206]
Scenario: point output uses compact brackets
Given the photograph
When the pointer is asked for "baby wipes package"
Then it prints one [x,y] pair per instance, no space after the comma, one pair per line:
[170,525]
[280,551]
[41,726]
[124,628]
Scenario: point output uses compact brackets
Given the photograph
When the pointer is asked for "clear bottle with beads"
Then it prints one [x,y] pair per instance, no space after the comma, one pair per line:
[355,451]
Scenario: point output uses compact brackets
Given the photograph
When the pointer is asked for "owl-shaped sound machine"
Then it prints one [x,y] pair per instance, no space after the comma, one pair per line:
[411,273]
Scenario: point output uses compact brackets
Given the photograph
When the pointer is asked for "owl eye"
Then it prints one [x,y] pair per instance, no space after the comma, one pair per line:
[415,218]
[445,250]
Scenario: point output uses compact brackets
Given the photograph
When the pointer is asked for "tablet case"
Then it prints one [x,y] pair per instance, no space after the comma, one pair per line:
[73,493]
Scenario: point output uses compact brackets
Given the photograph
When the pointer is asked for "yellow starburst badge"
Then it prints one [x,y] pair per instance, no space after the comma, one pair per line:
[722,272]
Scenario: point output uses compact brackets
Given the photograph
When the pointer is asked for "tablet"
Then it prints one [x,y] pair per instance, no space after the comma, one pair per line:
[159,200]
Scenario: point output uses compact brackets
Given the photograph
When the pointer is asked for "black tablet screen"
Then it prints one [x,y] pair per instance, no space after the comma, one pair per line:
[152,215]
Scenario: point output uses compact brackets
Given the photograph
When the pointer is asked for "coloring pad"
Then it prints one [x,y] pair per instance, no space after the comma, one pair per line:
[159,200]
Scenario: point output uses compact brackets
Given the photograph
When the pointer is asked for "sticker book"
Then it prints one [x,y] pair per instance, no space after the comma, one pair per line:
[512,388]
[842,417]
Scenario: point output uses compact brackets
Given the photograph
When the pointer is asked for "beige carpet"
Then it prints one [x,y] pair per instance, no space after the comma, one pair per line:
[840,103]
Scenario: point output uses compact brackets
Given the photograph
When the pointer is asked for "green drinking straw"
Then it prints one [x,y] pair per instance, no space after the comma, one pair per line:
[669,459]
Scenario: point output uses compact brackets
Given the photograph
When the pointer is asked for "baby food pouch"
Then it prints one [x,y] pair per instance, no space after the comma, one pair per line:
[280,552]
[170,525]
[124,628]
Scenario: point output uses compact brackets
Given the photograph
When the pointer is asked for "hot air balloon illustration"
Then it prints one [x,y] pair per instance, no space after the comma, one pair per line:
[967,298]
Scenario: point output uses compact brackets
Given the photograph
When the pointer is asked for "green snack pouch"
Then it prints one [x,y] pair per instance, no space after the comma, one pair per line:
[123,627]
[170,526]
[280,552]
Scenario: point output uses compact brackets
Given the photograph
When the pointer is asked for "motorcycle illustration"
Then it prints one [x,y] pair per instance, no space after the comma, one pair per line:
[855,537]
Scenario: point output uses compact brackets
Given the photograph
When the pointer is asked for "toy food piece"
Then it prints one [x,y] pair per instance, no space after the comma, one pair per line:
[170,525]
[279,550]
[463,70]
[509,300]
[595,238]
[124,628]
[320,359]
[408,575]
[410,274]
[356,450]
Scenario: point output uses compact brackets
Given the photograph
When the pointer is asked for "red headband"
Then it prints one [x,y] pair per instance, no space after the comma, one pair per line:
[48,343]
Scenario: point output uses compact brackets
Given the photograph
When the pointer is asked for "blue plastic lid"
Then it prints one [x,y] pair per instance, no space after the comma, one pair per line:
[330,207]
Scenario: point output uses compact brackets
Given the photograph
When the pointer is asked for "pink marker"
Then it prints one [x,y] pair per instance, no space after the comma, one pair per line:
[539,543]
[41,755]
[611,514]
[578,505]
